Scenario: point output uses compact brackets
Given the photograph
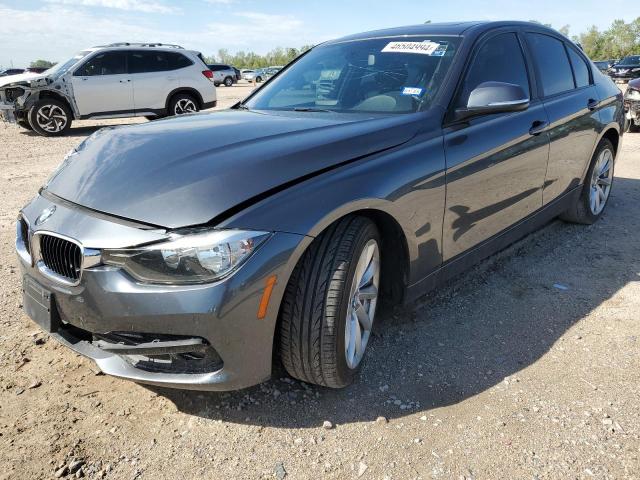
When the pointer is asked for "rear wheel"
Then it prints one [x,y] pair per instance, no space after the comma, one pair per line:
[183,103]
[597,187]
[258,79]
[330,303]
[50,117]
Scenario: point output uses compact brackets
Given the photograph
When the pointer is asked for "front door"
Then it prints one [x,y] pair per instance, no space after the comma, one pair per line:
[102,86]
[496,163]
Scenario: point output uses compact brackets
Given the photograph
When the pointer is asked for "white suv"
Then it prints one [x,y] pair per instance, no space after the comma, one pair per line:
[117,80]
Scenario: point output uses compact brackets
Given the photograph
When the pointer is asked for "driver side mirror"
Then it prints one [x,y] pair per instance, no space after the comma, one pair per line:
[494,97]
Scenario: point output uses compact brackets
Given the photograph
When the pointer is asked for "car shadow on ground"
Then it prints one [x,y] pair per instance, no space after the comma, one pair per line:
[480,328]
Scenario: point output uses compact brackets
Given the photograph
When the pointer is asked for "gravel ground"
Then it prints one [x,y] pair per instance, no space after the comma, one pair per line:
[525,367]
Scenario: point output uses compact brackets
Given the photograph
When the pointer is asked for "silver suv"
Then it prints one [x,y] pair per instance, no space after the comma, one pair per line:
[223,74]
[118,80]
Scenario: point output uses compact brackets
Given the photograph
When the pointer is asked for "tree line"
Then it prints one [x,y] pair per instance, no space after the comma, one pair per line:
[618,41]
[242,59]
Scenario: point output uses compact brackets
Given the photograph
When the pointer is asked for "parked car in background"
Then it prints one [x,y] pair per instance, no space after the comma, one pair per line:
[627,69]
[248,75]
[264,74]
[603,65]
[11,71]
[632,106]
[190,253]
[112,81]
[36,69]
[223,74]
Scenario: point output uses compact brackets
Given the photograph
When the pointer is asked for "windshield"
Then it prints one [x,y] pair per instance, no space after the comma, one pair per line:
[635,60]
[62,67]
[391,75]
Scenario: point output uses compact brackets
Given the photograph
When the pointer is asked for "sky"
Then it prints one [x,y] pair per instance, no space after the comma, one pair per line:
[56,29]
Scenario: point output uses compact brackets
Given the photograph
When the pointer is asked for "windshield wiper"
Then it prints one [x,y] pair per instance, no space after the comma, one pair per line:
[311,109]
[241,106]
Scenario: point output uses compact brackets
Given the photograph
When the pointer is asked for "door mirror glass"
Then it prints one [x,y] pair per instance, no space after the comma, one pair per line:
[494,97]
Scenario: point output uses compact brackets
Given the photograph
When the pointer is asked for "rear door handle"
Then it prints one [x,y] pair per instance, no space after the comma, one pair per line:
[538,127]
[592,104]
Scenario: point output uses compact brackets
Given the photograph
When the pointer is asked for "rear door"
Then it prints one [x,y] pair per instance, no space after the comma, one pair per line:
[152,80]
[102,86]
[565,82]
[495,163]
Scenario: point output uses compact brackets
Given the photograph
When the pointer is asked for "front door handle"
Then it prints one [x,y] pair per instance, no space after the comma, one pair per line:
[538,127]
[592,104]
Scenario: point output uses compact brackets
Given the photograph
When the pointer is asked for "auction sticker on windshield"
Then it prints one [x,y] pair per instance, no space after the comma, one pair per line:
[425,48]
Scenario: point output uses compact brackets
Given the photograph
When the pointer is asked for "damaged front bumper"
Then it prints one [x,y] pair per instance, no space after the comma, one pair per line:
[202,337]
[14,103]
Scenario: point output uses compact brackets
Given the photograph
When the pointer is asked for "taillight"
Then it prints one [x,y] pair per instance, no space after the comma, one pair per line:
[208,74]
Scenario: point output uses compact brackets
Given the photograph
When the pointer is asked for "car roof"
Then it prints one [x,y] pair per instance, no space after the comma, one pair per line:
[141,46]
[444,28]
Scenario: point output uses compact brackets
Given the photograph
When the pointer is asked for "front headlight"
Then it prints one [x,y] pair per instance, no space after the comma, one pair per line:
[193,257]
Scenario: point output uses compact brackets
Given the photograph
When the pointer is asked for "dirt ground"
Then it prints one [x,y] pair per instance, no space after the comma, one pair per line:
[528,366]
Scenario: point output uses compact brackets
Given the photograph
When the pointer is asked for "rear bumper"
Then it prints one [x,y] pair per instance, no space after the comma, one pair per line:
[219,319]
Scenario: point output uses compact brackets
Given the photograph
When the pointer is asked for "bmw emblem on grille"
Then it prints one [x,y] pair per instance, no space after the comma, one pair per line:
[45,215]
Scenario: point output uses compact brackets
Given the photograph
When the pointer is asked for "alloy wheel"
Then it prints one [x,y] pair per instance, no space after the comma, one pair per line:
[601,180]
[363,298]
[185,105]
[51,118]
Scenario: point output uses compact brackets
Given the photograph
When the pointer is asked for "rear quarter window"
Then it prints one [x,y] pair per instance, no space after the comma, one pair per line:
[580,68]
[177,61]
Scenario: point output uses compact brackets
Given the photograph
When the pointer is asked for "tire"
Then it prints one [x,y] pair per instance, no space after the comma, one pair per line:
[258,79]
[50,117]
[228,82]
[591,204]
[630,126]
[321,295]
[24,124]
[183,103]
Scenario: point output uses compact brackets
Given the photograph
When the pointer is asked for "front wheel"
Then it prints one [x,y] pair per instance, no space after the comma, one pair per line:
[590,205]
[330,303]
[50,117]
[228,82]
[258,79]
[630,126]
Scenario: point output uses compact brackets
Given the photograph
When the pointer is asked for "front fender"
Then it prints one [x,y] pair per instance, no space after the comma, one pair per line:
[406,183]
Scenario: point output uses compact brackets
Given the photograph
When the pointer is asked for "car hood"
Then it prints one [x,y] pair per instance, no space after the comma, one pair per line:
[189,170]
[22,77]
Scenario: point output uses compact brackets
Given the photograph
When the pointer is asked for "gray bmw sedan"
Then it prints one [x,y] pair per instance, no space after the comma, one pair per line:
[194,252]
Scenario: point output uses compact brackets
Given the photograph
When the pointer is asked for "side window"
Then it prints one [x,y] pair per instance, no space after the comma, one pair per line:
[177,60]
[499,59]
[553,63]
[145,62]
[580,68]
[108,63]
